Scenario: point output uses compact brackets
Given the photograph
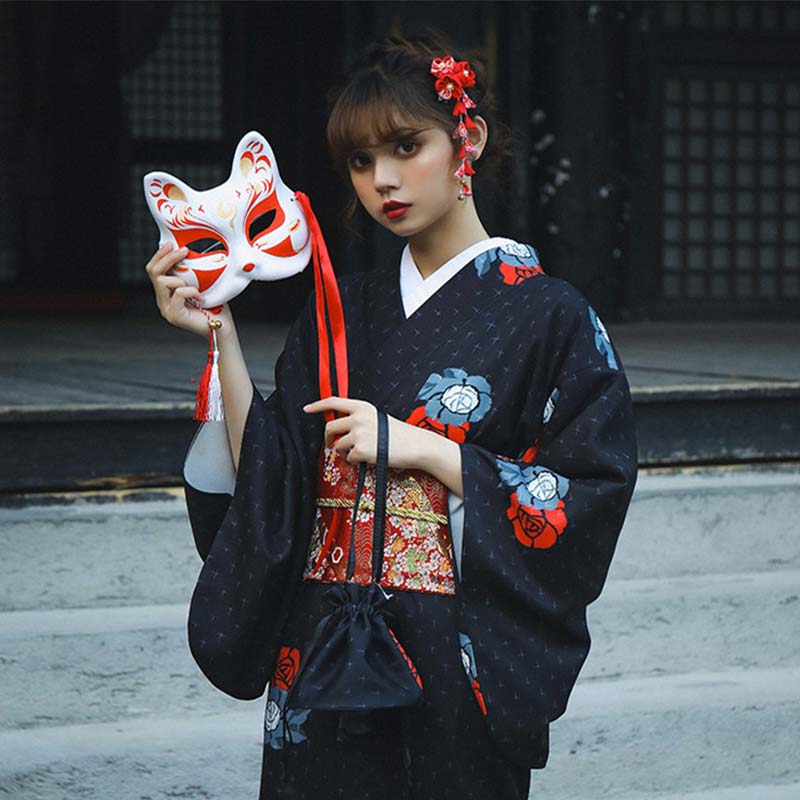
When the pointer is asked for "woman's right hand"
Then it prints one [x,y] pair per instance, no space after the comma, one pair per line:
[173,294]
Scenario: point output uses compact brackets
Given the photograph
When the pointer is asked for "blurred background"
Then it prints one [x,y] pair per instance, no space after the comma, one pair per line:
[656,161]
[656,166]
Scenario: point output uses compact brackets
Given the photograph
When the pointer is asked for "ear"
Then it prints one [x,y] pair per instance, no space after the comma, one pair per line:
[479,135]
[253,157]
[161,187]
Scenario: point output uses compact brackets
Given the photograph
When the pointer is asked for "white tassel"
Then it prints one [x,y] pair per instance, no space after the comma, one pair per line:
[215,408]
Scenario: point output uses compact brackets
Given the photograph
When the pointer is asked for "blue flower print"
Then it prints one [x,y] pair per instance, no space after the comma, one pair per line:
[456,397]
[535,485]
[484,261]
[281,724]
[468,662]
[550,405]
[467,656]
[602,340]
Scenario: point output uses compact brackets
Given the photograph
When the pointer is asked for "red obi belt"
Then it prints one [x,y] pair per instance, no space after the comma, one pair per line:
[417,554]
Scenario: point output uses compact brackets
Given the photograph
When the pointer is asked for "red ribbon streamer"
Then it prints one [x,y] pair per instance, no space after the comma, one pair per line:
[327,298]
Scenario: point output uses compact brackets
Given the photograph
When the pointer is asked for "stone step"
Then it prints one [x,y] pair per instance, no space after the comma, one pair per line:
[120,551]
[681,735]
[100,665]
[761,791]
[97,664]
[140,552]
[710,520]
[678,624]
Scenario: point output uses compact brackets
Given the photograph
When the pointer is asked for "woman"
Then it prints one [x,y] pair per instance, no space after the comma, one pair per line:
[512,462]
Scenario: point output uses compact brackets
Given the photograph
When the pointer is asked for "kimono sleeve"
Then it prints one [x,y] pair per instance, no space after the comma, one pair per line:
[254,542]
[539,534]
[209,478]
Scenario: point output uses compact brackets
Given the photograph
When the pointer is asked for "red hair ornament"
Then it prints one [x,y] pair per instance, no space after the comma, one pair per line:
[452,79]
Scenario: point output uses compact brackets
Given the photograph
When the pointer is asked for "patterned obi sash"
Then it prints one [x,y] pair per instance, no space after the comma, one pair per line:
[418,553]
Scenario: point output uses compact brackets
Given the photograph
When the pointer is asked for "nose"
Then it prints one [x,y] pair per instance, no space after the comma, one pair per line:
[385,176]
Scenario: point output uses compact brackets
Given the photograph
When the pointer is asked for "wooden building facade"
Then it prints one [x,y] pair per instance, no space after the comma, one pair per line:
[656,145]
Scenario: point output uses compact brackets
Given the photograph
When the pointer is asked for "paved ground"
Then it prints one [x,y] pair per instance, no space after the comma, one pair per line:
[691,690]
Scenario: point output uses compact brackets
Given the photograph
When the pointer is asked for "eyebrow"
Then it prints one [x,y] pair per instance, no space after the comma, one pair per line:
[395,135]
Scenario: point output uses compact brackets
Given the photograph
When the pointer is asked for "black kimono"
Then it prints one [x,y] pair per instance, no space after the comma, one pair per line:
[517,368]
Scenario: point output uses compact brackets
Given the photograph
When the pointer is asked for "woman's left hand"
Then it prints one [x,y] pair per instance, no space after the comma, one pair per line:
[355,435]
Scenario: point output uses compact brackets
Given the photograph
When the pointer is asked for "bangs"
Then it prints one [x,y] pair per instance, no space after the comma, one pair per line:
[368,114]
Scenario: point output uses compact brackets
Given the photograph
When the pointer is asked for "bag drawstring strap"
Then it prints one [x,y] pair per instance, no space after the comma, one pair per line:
[381,481]
[351,558]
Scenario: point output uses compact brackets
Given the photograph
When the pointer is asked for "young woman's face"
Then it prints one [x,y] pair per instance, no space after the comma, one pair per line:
[415,169]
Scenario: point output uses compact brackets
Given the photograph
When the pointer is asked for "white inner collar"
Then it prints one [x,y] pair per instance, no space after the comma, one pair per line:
[416,290]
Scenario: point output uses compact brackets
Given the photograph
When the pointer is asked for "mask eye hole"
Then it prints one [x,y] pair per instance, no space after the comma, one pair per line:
[261,223]
[206,245]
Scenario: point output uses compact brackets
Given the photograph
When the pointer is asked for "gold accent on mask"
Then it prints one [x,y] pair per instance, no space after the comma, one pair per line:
[176,193]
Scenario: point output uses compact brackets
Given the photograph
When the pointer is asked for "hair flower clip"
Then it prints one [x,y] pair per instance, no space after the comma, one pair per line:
[452,78]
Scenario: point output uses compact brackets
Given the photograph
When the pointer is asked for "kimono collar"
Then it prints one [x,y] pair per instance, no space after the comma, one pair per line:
[416,290]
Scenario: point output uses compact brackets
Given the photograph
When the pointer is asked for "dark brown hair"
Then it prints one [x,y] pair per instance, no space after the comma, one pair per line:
[389,87]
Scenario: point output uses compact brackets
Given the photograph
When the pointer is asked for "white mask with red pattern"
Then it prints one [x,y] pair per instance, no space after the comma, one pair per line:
[251,227]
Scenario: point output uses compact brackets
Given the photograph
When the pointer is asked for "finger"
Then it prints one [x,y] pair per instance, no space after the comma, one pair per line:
[160,253]
[162,250]
[168,261]
[164,285]
[338,426]
[163,288]
[170,281]
[343,445]
[334,403]
[354,455]
[180,296]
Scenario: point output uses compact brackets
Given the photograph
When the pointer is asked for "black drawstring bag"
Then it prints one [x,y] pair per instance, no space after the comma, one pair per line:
[354,661]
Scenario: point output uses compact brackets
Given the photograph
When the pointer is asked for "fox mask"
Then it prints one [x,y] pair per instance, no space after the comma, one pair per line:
[251,227]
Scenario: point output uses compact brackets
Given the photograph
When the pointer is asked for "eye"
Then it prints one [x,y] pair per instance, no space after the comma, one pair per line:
[261,223]
[412,145]
[358,161]
[206,245]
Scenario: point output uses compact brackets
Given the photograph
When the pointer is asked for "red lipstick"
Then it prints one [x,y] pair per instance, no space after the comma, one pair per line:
[394,209]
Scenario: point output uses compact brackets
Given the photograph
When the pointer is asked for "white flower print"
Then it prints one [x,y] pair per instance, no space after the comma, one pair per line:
[273,716]
[465,661]
[543,487]
[460,399]
[516,249]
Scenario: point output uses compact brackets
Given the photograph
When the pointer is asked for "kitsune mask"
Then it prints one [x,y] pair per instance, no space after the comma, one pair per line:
[249,228]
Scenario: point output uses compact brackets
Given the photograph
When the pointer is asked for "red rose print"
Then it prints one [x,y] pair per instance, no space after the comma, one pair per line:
[286,667]
[476,690]
[514,276]
[530,454]
[456,433]
[408,661]
[538,527]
